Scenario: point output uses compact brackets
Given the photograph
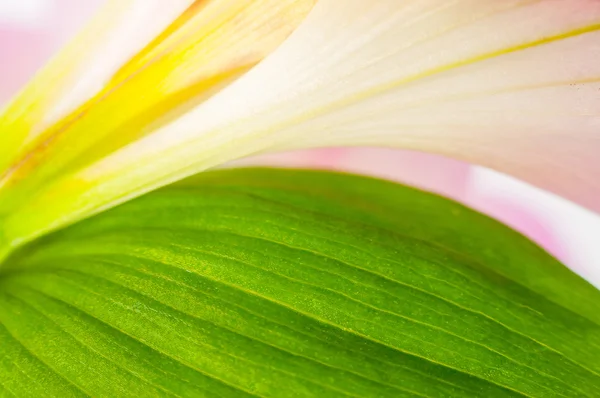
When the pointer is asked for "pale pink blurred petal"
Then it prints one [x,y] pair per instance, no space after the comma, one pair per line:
[321,158]
[24,52]
[434,173]
[445,176]
[564,228]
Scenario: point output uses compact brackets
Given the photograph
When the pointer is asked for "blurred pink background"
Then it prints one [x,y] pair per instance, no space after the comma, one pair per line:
[32,30]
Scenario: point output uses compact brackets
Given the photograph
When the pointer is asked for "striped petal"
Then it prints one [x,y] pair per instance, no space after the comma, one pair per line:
[65,121]
[512,85]
[119,30]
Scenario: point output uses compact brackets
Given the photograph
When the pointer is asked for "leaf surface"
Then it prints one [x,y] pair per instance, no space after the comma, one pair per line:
[262,282]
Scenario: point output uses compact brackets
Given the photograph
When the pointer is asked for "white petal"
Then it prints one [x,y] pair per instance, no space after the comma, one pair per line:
[509,84]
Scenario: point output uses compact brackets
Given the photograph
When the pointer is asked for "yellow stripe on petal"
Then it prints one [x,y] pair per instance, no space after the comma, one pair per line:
[205,49]
[159,43]
[81,69]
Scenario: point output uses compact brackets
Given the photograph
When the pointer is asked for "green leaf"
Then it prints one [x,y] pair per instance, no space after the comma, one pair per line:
[292,284]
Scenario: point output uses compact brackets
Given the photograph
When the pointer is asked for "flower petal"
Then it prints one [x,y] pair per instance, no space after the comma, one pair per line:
[509,84]
[205,49]
[119,30]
